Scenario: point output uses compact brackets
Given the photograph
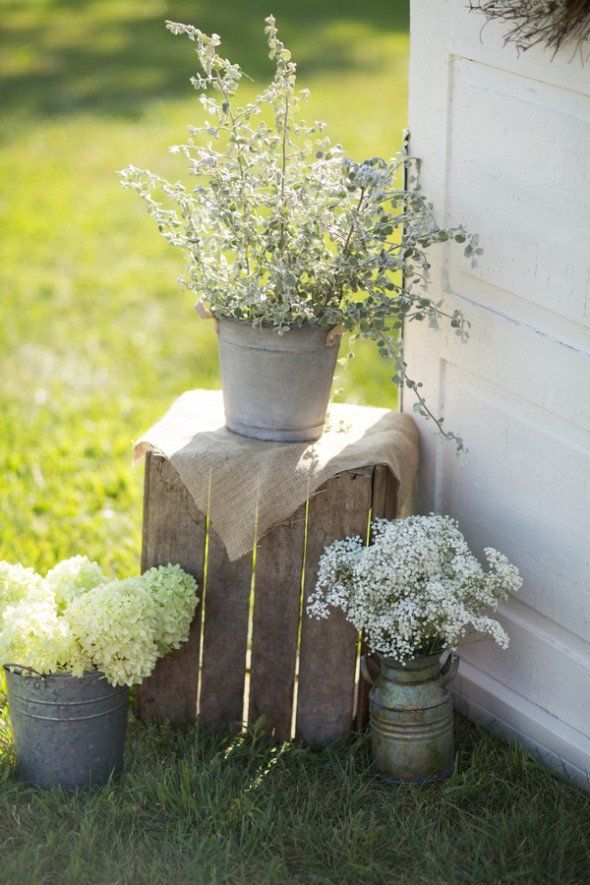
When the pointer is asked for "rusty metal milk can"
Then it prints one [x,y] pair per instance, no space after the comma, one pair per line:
[411,713]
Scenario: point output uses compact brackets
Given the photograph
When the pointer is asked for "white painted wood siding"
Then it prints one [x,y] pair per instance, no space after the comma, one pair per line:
[505,144]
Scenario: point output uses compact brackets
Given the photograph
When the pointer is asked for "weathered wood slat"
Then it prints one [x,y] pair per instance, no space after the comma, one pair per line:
[328,651]
[385,492]
[225,635]
[384,506]
[173,532]
[279,562]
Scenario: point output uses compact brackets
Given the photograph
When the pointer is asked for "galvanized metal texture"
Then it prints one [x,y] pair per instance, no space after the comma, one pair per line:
[411,714]
[276,387]
[68,731]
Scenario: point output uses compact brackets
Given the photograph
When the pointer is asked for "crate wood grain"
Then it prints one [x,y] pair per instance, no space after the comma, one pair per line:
[328,655]
[277,587]
[253,651]
[383,506]
[225,635]
[173,532]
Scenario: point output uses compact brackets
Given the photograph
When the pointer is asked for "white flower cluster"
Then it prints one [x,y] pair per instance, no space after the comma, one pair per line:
[72,577]
[74,620]
[417,588]
[279,227]
[172,601]
[16,582]
[125,626]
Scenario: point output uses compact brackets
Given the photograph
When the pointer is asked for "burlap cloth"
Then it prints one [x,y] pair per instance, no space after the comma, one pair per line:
[246,482]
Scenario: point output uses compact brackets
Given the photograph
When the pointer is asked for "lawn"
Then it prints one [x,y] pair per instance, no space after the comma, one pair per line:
[203,808]
[96,335]
[97,340]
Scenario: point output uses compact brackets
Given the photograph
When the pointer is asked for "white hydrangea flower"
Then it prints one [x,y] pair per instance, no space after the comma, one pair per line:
[32,633]
[18,583]
[72,577]
[416,588]
[125,626]
[74,620]
[174,596]
[113,625]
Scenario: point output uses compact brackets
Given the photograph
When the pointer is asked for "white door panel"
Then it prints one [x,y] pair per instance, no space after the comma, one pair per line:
[468,39]
[522,516]
[519,168]
[505,145]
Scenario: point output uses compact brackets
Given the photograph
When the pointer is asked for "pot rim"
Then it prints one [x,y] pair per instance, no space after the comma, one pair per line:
[34,674]
[271,326]
[413,663]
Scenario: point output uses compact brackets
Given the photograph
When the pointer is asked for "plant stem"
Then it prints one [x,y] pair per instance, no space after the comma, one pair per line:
[240,164]
[283,171]
[346,248]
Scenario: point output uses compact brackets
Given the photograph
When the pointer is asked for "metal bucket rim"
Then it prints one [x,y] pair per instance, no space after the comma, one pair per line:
[87,673]
[270,326]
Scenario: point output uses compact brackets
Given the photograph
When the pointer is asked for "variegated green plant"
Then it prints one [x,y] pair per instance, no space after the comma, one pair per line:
[280,227]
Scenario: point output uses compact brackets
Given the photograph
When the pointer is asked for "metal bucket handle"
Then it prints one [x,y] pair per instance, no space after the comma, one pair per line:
[19,669]
[203,312]
[334,335]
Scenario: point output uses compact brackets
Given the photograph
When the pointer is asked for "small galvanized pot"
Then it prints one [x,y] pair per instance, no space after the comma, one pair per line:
[411,714]
[68,731]
[276,387]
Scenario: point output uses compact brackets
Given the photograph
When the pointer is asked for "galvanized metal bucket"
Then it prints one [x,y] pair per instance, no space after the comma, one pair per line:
[411,714]
[68,731]
[276,387]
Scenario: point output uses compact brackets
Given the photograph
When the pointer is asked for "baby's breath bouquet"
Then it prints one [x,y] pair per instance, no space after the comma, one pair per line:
[416,590]
[280,228]
[74,620]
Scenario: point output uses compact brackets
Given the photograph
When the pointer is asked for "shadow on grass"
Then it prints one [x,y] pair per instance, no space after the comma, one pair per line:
[111,56]
[197,806]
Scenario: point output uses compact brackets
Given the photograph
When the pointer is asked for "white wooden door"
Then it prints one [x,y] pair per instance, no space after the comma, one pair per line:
[505,144]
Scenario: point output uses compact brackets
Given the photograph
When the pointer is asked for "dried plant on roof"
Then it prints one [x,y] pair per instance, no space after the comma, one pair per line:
[554,23]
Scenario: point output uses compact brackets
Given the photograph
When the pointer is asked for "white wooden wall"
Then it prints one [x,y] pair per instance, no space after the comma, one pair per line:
[505,143]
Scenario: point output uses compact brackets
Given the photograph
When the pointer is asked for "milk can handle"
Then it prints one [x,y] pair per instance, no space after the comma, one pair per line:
[450,667]
[369,664]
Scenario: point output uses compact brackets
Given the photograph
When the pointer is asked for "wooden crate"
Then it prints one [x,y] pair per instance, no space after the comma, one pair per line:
[253,651]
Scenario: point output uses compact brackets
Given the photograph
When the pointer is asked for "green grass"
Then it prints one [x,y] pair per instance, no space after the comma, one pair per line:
[96,337]
[96,341]
[202,808]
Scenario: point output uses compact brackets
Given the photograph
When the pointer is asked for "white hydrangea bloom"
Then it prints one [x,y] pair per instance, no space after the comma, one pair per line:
[174,596]
[125,626]
[416,588]
[113,625]
[32,633]
[18,583]
[74,620]
[72,577]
